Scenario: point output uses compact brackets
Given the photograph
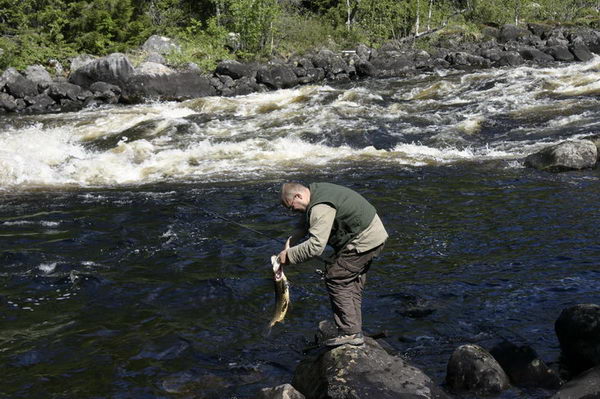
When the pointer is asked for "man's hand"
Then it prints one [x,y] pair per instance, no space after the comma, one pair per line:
[283,254]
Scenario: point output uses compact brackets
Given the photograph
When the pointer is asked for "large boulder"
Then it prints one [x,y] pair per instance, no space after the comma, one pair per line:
[511,32]
[357,372]
[21,87]
[473,369]
[581,52]
[524,367]
[560,53]
[39,75]
[7,103]
[578,331]
[115,69]
[535,55]
[568,155]
[331,63]
[174,87]
[277,76]
[584,386]
[153,68]
[59,91]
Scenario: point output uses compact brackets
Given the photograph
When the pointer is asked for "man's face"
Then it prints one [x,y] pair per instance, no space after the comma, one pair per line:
[296,204]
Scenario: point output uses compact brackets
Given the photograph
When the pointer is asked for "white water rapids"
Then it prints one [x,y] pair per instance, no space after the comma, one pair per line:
[432,119]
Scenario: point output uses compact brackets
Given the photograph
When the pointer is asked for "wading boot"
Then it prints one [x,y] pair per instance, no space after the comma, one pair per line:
[350,339]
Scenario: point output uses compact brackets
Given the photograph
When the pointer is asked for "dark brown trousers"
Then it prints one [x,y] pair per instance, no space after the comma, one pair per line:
[345,280]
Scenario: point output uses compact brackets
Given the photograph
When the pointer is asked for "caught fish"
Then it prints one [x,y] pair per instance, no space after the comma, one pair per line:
[282,293]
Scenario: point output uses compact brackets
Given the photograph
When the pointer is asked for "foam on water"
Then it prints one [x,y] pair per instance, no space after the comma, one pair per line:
[438,118]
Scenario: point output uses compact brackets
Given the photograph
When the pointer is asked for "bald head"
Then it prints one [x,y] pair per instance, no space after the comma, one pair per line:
[295,196]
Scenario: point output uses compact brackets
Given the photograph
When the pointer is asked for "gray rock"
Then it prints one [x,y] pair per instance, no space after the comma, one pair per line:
[595,138]
[363,52]
[39,103]
[578,331]
[21,87]
[541,30]
[7,102]
[235,69]
[115,69]
[471,368]
[535,55]
[161,45]
[366,371]
[510,58]
[9,75]
[80,61]
[524,367]
[155,57]
[584,386]
[174,87]
[101,87]
[277,76]
[511,32]
[568,155]
[39,75]
[560,53]
[285,391]
[581,52]
[153,68]
[330,62]
[59,91]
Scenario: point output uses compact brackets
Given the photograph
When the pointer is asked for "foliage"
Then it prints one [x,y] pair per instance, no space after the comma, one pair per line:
[34,31]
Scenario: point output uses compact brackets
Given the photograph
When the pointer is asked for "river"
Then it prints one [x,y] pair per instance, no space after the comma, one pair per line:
[116,281]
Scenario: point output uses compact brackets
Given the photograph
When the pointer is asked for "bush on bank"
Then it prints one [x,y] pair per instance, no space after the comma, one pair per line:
[34,31]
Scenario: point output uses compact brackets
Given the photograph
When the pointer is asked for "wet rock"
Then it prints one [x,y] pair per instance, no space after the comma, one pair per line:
[246,85]
[524,367]
[471,368]
[366,371]
[277,76]
[595,138]
[115,69]
[235,69]
[313,75]
[462,59]
[174,87]
[365,69]
[584,386]
[560,53]
[21,87]
[285,391]
[387,66]
[568,155]
[578,331]
[102,87]
[161,45]
[39,75]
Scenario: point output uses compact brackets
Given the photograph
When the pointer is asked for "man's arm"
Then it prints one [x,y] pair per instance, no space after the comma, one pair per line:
[320,223]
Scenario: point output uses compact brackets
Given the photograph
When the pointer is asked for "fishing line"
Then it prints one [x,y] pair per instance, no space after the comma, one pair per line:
[217,216]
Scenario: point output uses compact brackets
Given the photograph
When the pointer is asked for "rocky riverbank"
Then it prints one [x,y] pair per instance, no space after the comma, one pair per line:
[375,371]
[114,79]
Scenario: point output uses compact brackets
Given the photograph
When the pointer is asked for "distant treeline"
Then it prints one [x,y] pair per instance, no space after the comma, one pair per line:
[34,31]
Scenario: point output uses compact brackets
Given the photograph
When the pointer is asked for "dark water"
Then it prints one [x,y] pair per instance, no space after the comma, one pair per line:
[136,292]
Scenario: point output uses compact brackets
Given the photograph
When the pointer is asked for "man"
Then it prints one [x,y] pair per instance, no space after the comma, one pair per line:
[342,218]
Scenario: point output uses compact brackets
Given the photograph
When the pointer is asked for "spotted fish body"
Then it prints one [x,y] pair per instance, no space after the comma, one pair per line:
[282,293]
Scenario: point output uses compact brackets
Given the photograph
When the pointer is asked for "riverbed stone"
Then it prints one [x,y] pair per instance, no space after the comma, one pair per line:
[358,372]
[39,103]
[285,391]
[581,52]
[584,386]
[565,156]
[473,369]
[524,367]
[578,331]
[115,68]
[533,54]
